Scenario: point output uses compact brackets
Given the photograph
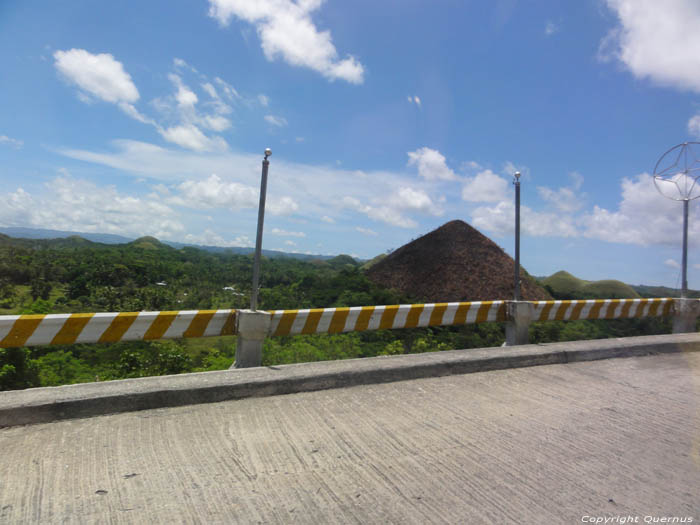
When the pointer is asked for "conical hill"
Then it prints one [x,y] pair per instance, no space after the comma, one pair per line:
[453,263]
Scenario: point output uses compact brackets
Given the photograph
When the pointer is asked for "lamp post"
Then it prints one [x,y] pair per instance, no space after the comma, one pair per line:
[676,177]
[258,238]
[516,280]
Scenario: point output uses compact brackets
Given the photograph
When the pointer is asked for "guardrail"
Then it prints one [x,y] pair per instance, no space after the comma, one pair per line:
[253,327]
[361,318]
[66,329]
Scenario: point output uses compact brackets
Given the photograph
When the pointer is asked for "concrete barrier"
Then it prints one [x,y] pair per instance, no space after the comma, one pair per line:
[41,405]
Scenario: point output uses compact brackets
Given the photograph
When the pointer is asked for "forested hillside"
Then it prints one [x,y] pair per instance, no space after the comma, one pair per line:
[76,275]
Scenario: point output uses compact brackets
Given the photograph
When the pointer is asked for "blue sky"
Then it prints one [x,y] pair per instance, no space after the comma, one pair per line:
[385,119]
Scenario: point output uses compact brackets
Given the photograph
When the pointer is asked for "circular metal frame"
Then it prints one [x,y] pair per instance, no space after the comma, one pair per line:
[683,171]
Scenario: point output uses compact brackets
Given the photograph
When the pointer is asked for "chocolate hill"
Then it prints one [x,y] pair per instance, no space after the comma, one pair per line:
[453,263]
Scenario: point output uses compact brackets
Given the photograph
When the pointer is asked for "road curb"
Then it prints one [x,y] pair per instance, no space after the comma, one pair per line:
[43,405]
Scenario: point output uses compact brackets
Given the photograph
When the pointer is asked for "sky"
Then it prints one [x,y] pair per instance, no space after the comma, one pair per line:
[385,120]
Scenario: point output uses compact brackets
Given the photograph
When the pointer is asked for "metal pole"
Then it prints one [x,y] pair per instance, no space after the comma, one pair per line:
[258,238]
[684,282]
[516,280]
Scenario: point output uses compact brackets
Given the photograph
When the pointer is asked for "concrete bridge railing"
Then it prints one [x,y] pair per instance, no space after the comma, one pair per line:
[252,327]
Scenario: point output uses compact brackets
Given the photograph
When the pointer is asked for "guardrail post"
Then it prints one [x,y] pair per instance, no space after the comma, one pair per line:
[686,312]
[519,317]
[253,327]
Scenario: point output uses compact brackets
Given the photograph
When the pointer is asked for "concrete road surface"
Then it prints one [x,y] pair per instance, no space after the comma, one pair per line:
[568,443]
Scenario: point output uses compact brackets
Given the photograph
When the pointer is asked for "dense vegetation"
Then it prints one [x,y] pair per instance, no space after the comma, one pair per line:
[75,275]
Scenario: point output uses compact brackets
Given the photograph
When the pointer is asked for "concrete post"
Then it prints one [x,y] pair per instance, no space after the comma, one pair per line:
[252,328]
[520,314]
[686,312]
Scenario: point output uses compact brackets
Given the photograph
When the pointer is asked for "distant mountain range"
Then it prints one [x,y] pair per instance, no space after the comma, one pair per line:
[110,238]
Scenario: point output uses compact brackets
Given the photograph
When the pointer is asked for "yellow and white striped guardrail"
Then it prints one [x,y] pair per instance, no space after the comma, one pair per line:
[360,318]
[601,309]
[31,330]
[66,329]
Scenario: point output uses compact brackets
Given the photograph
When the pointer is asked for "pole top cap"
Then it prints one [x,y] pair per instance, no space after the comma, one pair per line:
[268,152]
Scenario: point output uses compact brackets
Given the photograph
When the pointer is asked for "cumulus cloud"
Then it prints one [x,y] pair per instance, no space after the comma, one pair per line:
[486,186]
[327,219]
[431,164]
[656,40]
[191,137]
[98,75]
[80,205]
[566,199]
[414,200]
[264,100]
[9,141]
[216,193]
[499,219]
[282,206]
[280,122]
[182,107]
[286,30]
[643,217]
[102,77]
[392,210]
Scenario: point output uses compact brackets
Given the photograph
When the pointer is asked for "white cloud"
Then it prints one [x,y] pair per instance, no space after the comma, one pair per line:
[550,28]
[215,193]
[657,40]
[566,199]
[98,75]
[431,164]
[415,100]
[414,200]
[228,90]
[486,186]
[283,206]
[510,168]
[191,137]
[500,219]
[694,126]
[671,263]
[280,122]
[366,231]
[211,238]
[643,217]
[329,220]
[290,243]
[13,143]
[286,30]
[103,77]
[285,233]
[381,213]
[264,100]
[80,205]
[696,266]
[311,191]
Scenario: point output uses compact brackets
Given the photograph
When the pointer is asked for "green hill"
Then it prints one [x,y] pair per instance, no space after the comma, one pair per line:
[373,261]
[148,243]
[563,285]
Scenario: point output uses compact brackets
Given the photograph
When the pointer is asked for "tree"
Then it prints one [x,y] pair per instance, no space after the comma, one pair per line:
[17,370]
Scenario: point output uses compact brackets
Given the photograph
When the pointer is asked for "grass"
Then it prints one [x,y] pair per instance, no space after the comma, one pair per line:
[563,283]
